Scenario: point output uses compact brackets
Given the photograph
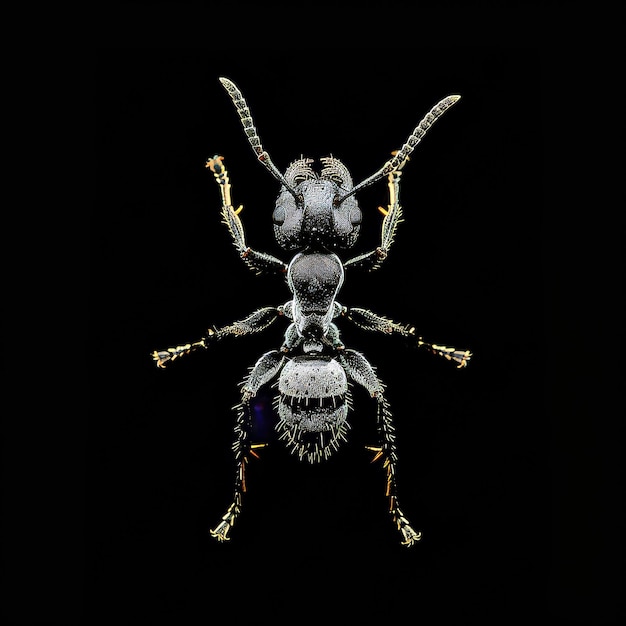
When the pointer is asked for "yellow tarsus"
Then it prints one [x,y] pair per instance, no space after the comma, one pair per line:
[211,163]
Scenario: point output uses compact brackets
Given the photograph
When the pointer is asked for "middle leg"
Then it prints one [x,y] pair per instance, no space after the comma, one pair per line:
[368,320]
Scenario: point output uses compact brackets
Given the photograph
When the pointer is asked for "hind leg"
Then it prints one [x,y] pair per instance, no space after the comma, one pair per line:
[361,372]
[264,370]
[242,448]
[387,451]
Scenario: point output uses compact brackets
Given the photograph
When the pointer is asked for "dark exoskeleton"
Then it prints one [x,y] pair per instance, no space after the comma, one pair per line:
[316,215]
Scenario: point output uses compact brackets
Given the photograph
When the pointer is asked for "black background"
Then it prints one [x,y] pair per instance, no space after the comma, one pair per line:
[465,270]
[493,470]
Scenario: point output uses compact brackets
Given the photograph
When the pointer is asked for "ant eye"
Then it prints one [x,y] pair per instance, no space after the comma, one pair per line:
[278,217]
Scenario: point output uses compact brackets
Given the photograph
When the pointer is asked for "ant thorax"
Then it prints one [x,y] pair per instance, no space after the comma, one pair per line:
[314,279]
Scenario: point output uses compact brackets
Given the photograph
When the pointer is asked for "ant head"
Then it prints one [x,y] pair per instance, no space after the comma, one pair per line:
[314,210]
[320,210]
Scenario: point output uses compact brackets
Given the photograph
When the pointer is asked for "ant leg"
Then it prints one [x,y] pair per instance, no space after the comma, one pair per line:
[257,261]
[387,450]
[254,323]
[392,217]
[264,370]
[361,372]
[242,448]
[368,320]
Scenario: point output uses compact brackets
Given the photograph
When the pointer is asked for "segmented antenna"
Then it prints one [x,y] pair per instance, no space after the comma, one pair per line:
[248,126]
[401,155]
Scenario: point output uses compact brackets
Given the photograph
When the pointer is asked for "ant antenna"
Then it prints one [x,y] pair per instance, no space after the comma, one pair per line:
[248,126]
[402,155]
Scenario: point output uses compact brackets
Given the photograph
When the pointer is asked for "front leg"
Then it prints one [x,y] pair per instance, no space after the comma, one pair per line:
[372,260]
[258,261]
[254,323]
[371,321]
